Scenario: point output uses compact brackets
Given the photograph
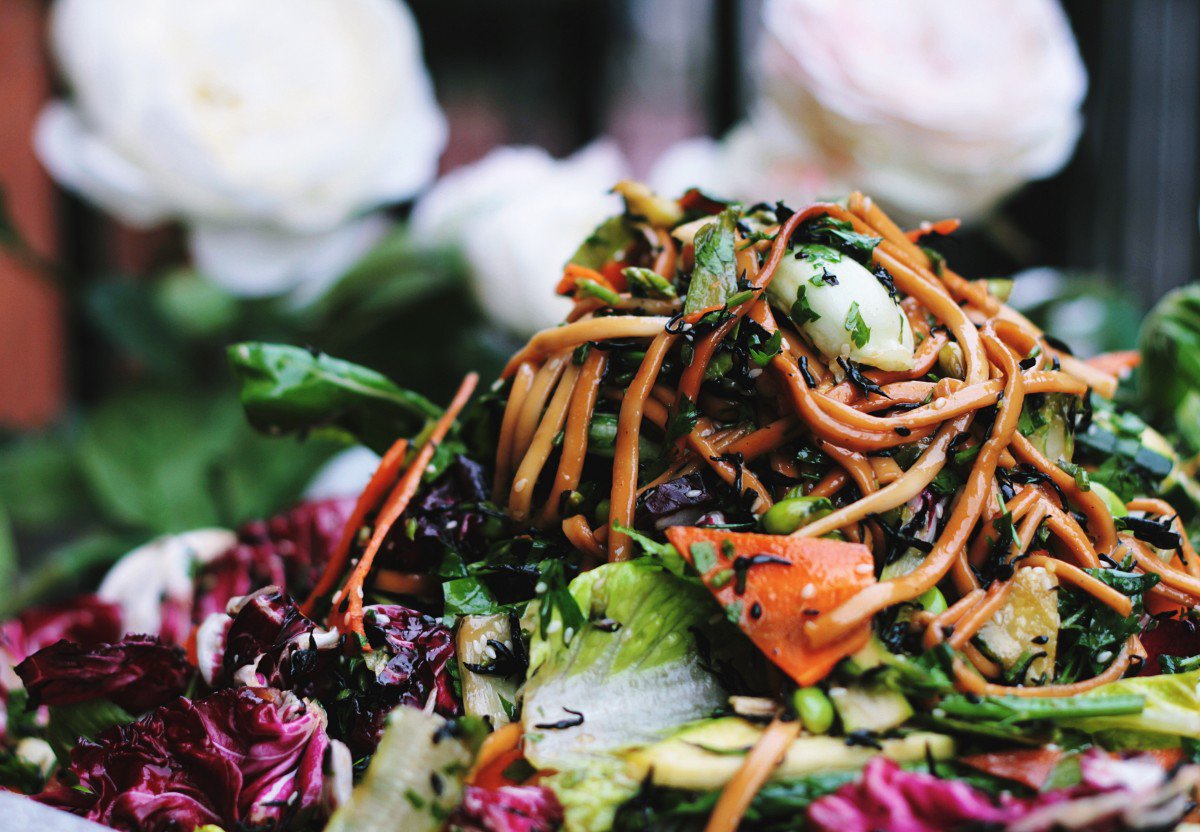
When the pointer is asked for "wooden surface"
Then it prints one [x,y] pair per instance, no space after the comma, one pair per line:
[32,336]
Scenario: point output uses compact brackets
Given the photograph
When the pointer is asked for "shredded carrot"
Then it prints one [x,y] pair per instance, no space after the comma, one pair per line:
[351,596]
[573,273]
[756,769]
[385,474]
[942,227]
[496,745]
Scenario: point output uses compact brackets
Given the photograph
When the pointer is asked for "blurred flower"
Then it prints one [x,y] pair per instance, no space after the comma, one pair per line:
[345,475]
[761,159]
[936,108]
[518,215]
[153,584]
[268,128]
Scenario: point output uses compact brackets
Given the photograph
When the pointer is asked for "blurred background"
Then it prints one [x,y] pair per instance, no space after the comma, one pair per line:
[399,185]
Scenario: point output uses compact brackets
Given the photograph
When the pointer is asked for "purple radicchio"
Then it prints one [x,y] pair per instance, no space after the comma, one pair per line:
[507,809]
[409,665]
[448,514]
[264,640]
[245,758]
[681,501]
[288,550]
[1113,795]
[138,673]
[85,620]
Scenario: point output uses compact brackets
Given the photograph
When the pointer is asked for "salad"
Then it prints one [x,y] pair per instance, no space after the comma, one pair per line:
[788,526]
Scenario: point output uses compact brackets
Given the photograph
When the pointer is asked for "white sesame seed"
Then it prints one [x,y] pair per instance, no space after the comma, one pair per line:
[693,493]
[521,485]
[809,591]
[541,587]
[1104,656]
[863,568]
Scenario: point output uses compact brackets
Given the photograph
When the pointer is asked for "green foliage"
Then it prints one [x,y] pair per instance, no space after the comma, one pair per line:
[287,389]
[1091,634]
[1170,344]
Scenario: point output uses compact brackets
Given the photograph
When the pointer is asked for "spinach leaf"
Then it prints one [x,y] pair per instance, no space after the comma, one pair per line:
[286,389]
[715,278]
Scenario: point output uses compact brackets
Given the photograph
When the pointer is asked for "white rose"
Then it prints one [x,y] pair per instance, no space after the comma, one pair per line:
[518,215]
[761,159]
[937,107]
[269,128]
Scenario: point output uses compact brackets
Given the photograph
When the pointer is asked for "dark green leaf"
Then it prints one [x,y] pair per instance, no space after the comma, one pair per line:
[469,596]
[841,236]
[287,389]
[83,720]
[801,312]
[763,354]
[683,417]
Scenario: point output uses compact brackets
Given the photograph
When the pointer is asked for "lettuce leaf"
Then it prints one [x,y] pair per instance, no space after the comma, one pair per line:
[1171,711]
[631,671]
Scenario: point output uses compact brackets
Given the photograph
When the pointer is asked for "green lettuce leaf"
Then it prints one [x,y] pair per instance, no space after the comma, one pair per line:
[591,795]
[1171,711]
[626,676]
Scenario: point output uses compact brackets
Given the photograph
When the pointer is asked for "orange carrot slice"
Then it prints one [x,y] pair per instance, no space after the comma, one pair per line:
[772,585]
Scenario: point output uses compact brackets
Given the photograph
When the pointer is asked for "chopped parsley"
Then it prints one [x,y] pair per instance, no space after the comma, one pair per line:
[802,312]
[860,333]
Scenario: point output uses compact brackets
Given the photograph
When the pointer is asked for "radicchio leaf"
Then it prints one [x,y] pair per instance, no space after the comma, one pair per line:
[409,665]
[1112,792]
[84,619]
[138,673]
[289,551]
[265,641]
[507,809]
[245,758]
[679,501]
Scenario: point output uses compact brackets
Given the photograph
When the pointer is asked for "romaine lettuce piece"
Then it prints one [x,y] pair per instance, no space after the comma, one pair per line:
[414,780]
[1172,710]
[630,673]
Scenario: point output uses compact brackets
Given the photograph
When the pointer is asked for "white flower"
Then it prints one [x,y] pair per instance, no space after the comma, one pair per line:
[518,215]
[759,160]
[937,107]
[158,575]
[269,128]
[346,474]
